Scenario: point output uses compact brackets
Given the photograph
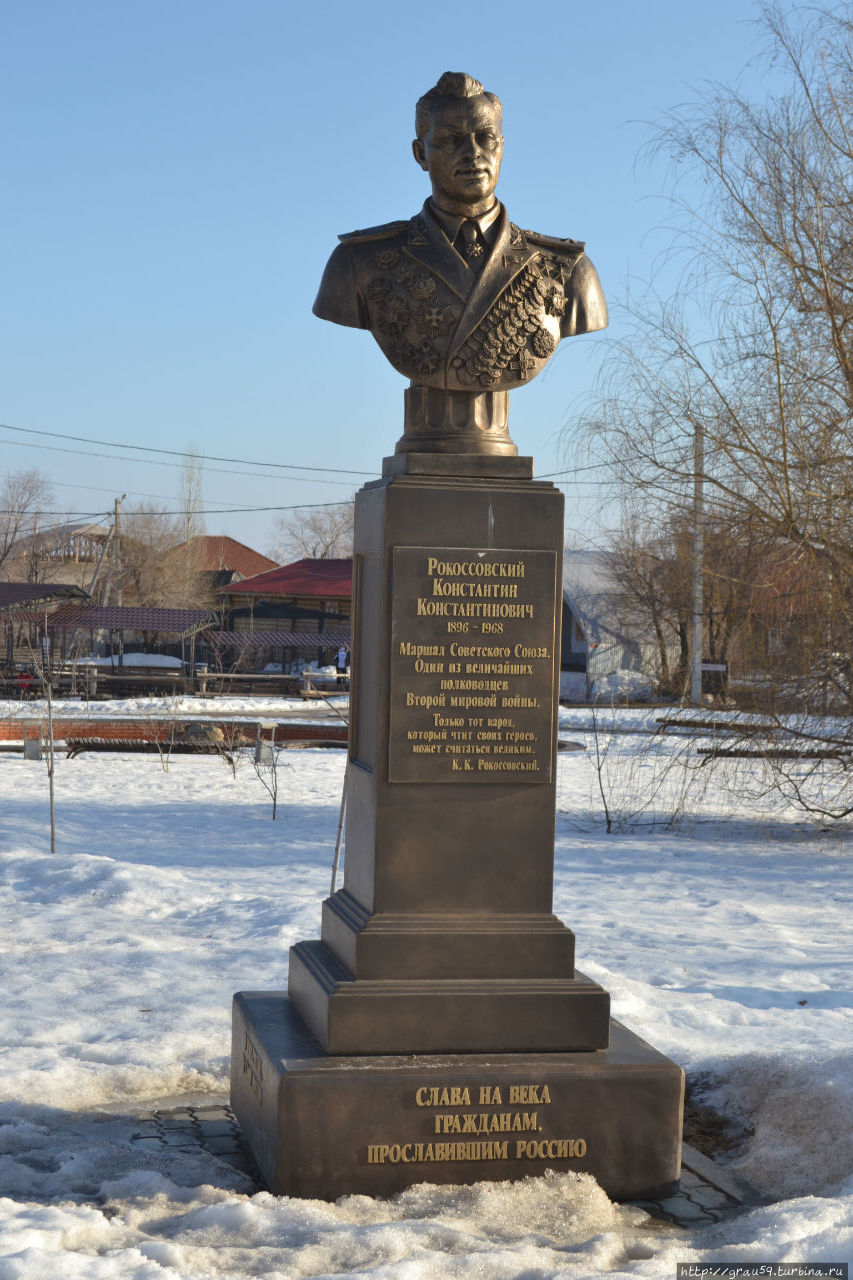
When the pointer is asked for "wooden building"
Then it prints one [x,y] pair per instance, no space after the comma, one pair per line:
[290,615]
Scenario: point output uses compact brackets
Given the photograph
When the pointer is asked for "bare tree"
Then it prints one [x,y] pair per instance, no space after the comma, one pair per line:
[267,761]
[148,533]
[753,354]
[24,495]
[180,567]
[653,597]
[755,351]
[155,570]
[317,533]
[190,499]
[650,563]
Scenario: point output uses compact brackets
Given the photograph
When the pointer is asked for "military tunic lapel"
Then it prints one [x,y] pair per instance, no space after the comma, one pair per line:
[430,247]
[503,264]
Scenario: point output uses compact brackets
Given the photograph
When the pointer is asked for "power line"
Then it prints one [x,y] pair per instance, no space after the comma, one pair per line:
[226,511]
[568,472]
[160,462]
[37,515]
[219,511]
[137,493]
[592,466]
[659,461]
[182,453]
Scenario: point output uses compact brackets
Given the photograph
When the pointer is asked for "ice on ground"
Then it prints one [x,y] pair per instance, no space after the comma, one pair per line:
[560,1224]
[799,1110]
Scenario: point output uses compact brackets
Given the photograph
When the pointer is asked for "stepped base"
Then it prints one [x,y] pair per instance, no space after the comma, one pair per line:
[446,944]
[324,1126]
[452,1015]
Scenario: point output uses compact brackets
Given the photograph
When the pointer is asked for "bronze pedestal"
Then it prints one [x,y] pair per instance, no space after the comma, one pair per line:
[441,972]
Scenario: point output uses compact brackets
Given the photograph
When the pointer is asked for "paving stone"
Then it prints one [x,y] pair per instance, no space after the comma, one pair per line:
[707,1194]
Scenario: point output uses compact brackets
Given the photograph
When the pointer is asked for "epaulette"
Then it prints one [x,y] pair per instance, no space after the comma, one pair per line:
[376,233]
[554,242]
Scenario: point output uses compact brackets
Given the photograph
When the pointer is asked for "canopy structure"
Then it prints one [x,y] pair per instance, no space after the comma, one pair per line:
[16,594]
[175,622]
[19,604]
[242,640]
[71,622]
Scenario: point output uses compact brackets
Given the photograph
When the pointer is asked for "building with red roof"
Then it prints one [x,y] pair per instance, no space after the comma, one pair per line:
[317,579]
[223,559]
[295,612]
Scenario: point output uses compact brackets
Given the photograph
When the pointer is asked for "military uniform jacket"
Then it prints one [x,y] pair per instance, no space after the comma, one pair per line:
[444,324]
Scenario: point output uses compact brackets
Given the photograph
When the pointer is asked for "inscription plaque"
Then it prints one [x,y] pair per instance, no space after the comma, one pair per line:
[473,665]
[478,1109]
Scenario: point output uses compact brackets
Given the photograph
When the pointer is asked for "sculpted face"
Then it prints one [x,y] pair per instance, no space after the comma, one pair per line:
[462,153]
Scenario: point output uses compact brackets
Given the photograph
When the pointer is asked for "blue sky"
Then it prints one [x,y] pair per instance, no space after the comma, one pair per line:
[176,173]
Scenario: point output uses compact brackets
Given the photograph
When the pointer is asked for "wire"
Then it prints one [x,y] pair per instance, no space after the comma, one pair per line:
[78,515]
[593,466]
[136,493]
[92,515]
[182,453]
[160,462]
[302,506]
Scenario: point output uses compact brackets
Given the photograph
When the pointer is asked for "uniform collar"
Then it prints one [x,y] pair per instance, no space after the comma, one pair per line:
[451,222]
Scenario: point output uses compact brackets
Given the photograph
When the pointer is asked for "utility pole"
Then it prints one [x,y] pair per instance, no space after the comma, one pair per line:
[698,558]
[47,683]
[117,548]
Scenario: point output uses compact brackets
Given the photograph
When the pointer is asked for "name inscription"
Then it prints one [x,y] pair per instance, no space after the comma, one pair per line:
[474,653]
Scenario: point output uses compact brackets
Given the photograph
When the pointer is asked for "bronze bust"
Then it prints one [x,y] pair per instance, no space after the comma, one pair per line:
[460,299]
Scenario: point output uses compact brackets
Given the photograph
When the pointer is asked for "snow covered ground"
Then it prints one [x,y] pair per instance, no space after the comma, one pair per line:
[180,707]
[724,940]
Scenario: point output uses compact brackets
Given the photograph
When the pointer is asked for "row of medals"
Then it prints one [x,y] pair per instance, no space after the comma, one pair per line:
[511,336]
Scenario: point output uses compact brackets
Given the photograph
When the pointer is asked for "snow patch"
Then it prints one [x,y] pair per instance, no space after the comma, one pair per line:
[801,1114]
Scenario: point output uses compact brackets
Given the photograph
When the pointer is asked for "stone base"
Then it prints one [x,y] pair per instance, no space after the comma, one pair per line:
[444,1015]
[447,944]
[322,1126]
[458,466]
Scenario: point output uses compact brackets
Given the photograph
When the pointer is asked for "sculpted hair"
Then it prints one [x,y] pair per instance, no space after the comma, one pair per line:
[453,84]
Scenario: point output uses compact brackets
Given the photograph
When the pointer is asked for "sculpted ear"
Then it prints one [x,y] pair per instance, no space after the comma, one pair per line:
[419,153]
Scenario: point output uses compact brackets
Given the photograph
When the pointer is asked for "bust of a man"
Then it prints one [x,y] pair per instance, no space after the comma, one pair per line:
[458,297]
